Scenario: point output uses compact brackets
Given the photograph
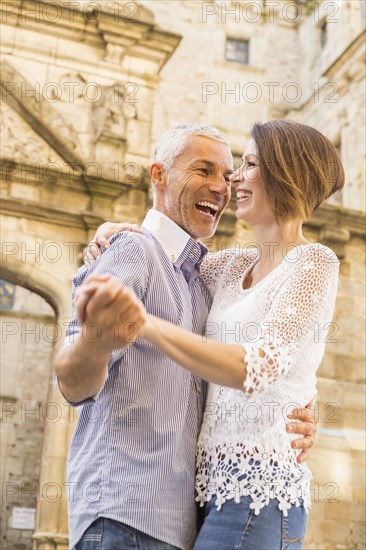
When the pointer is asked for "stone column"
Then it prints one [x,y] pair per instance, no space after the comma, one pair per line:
[51,531]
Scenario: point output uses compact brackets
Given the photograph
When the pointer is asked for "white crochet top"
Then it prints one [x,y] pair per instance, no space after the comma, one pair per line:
[282,322]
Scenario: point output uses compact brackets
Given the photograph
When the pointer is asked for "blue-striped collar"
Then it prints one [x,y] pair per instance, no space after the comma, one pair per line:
[177,243]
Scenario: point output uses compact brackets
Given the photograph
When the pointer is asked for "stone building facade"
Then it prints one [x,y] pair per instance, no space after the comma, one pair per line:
[87,89]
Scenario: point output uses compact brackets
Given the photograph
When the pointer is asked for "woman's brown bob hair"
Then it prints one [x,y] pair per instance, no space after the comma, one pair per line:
[300,167]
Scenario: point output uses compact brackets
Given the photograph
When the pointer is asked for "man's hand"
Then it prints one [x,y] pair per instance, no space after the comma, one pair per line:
[92,252]
[113,309]
[307,427]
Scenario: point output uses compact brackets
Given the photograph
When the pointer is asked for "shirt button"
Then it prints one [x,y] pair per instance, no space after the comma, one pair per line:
[191,255]
[195,250]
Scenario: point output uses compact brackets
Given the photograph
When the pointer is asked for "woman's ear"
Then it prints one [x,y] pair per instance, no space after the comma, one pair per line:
[158,176]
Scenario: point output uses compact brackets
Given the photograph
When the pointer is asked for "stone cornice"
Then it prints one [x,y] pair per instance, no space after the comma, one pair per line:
[333,223]
[49,214]
[326,216]
[339,217]
[354,52]
[28,316]
[120,34]
[75,181]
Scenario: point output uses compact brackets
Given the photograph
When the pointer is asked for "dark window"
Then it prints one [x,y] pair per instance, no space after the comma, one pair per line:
[338,146]
[237,50]
[7,293]
[337,199]
[323,33]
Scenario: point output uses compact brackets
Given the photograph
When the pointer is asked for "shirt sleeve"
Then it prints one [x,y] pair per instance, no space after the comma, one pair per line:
[125,259]
[306,297]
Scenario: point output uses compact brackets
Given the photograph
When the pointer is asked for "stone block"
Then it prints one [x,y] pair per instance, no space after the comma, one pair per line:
[347,367]
[345,269]
[351,287]
[330,535]
[345,304]
[358,345]
[342,511]
[359,493]
[358,535]
[15,464]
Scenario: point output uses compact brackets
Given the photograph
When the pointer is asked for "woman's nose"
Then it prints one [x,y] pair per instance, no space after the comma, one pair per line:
[236,177]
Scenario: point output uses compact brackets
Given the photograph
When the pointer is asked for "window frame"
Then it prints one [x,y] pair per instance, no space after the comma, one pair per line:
[245,41]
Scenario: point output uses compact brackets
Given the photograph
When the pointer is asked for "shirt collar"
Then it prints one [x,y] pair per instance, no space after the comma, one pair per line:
[174,240]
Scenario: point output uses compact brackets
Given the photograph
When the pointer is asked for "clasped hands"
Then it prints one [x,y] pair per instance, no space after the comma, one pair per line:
[115,312]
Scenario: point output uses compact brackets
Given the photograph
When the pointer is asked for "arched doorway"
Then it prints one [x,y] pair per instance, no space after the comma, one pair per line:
[29,333]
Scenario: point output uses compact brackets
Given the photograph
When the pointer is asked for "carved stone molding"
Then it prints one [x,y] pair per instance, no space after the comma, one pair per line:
[351,63]
[334,226]
[349,220]
[335,238]
[37,112]
[123,29]
[51,541]
[20,143]
[51,214]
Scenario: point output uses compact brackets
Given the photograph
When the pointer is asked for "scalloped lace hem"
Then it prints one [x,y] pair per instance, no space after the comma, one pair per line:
[232,475]
[258,502]
[260,499]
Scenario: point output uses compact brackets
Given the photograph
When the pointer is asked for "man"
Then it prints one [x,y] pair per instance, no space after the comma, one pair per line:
[132,459]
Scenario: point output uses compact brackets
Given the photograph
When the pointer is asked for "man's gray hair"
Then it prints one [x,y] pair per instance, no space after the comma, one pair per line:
[172,143]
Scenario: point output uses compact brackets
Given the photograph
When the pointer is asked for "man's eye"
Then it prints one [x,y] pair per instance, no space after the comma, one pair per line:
[204,171]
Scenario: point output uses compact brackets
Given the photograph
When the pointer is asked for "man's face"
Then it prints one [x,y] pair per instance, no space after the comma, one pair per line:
[197,186]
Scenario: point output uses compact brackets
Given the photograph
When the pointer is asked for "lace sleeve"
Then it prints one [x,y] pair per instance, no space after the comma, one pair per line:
[307,297]
[213,266]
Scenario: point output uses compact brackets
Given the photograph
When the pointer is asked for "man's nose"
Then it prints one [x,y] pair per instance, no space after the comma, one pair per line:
[220,185]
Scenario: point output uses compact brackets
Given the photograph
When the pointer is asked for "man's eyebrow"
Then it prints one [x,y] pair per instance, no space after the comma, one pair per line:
[205,161]
[212,164]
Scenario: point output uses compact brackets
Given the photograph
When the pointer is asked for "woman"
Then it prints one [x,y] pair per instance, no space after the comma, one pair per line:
[262,357]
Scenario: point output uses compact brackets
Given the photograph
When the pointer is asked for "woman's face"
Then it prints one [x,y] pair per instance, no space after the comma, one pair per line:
[252,201]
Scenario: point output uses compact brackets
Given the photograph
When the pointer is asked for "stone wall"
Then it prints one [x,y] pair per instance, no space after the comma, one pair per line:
[290,74]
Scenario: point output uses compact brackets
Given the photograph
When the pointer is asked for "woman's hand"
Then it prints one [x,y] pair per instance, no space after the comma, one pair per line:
[104,232]
[307,427]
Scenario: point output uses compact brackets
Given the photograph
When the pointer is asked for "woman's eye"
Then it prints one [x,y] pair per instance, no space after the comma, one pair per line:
[250,164]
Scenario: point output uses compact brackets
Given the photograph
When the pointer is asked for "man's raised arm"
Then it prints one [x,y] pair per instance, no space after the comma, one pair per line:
[81,366]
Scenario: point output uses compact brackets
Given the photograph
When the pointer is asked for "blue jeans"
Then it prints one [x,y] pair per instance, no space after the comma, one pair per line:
[107,534]
[235,527]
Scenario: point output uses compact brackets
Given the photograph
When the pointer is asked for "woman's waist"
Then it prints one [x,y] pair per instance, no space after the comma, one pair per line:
[234,459]
[267,409]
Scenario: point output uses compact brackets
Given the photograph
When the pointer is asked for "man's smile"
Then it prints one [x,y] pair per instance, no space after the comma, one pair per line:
[207,208]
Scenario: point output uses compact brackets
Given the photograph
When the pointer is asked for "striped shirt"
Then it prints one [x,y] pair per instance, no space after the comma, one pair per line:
[132,456]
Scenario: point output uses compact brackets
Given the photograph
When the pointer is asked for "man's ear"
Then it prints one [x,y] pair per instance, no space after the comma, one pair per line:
[158,176]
